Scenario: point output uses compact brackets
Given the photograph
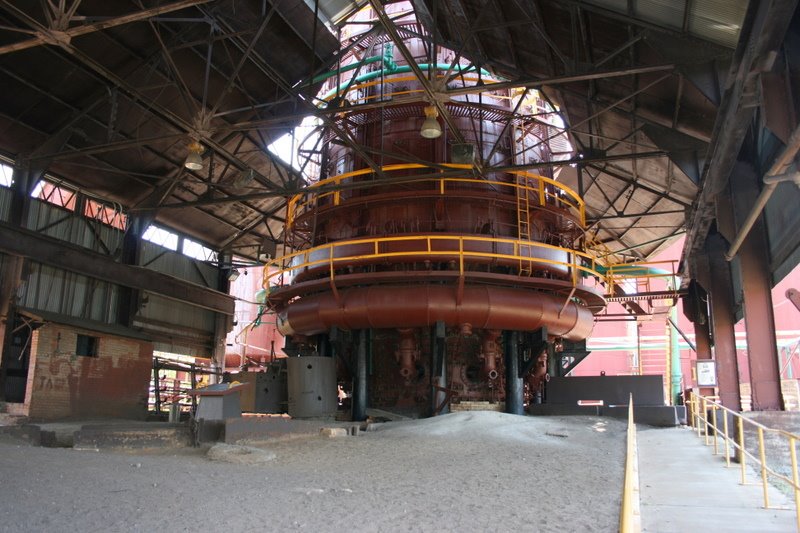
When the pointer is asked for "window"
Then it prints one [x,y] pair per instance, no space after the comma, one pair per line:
[195,250]
[162,237]
[87,346]
[55,194]
[6,173]
[110,215]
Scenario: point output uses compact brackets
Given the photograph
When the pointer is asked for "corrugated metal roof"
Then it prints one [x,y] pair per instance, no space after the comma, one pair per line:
[718,21]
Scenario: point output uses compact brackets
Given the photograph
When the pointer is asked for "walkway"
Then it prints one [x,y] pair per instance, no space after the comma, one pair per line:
[684,487]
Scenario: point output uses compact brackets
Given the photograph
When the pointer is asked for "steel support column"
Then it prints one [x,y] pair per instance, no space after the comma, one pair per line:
[723,322]
[438,368]
[756,285]
[702,328]
[514,387]
[360,377]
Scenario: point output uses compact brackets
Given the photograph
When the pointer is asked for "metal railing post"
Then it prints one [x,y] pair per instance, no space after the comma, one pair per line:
[763,459]
[742,454]
[705,420]
[714,427]
[727,443]
[795,481]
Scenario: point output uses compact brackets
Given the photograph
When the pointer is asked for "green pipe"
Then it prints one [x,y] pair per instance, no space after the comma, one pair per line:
[386,57]
[635,271]
[400,70]
[674,358]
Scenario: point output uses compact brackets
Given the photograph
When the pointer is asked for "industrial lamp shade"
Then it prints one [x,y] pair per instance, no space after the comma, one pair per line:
[431,128]
[194,160]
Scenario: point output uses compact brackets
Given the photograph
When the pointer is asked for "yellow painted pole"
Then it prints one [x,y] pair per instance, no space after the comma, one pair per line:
[704,418]
[714,427]
[795,482]
[763,458]
[742,454]
[727,439]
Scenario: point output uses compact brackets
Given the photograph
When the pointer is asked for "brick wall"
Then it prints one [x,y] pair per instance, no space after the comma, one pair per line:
[62,384]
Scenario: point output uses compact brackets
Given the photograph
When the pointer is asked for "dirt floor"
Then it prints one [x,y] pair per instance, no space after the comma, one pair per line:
[476,471]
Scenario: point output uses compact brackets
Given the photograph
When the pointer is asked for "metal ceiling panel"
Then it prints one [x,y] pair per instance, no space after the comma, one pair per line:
[719,21]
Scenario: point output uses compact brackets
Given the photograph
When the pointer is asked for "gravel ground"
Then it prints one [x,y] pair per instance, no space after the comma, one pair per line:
[461,472]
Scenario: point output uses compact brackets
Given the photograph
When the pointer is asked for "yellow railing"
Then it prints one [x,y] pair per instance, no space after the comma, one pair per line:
[538,190]
[630,520]
[333,255]
[708,427]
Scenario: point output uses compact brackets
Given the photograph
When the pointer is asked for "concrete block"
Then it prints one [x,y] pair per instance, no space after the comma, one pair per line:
[548,409]
[333,432]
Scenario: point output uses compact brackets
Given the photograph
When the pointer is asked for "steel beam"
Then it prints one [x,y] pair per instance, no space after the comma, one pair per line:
[756,286]
[49,251]
[57,36]
[514,386]
[724,321]
[359,397]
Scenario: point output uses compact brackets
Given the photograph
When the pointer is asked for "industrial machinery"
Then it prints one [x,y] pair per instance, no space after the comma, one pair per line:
[436,256]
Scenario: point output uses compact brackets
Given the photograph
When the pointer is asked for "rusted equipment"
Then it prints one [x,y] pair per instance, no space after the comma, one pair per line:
[436,256]
[489,353]
[407,353]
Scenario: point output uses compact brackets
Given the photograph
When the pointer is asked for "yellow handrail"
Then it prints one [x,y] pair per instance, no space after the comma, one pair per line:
[575,202]
[629,515]
[698,409]
[280,267]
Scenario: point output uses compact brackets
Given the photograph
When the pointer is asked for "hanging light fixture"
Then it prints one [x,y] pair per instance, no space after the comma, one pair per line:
[233,274]
[194,160]
[431,128]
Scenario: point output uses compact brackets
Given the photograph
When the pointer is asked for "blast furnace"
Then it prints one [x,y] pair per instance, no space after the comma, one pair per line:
[436,257]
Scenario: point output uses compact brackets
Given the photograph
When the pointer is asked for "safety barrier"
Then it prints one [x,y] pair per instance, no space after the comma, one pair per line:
[538,187]
[707,427]
[334,254]
[630,518]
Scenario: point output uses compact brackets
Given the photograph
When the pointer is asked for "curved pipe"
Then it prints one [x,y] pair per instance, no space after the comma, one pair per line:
[489,353]
[389,307]
[407,353]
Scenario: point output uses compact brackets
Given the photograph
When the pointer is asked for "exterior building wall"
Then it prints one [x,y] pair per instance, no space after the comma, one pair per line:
[62,384]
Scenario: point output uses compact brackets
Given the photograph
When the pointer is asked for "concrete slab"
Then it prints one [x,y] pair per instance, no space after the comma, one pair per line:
[684,487]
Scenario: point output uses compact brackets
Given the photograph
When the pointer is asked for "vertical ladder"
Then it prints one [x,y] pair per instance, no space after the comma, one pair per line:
[523,226]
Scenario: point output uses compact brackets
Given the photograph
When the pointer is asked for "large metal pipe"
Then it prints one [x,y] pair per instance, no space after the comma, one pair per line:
[514,388]
[390,307]
[776,174]
[489,353]
[770,183]
[407,352]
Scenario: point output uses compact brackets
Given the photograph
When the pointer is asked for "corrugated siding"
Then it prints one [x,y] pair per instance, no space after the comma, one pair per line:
[177,313]
[5,203]
[177,327]
[51,289]
[662,12]
[67,226]
[717,20]
[166,261]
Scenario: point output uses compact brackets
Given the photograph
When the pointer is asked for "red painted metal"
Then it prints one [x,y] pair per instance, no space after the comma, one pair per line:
[418,306]
[400,290]
[490,352]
